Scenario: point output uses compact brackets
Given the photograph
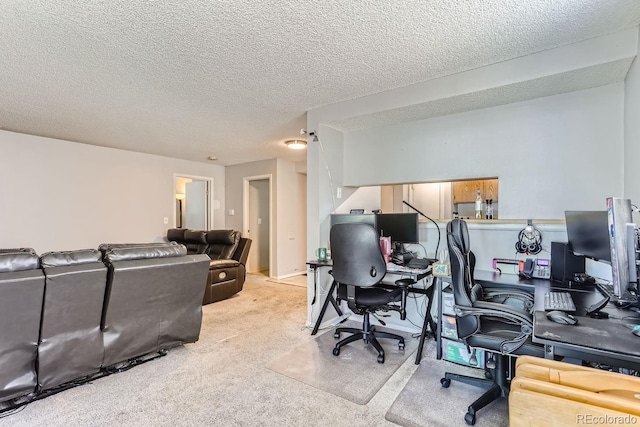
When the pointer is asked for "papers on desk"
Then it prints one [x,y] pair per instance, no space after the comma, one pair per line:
[401,269]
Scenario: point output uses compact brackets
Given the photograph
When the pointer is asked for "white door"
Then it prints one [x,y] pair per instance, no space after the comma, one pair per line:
[195,205]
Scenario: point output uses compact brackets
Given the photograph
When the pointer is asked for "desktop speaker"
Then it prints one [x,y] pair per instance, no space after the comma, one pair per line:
[564,264]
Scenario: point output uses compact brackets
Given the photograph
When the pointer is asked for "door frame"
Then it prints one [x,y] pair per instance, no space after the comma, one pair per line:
[209,181]
[245,213]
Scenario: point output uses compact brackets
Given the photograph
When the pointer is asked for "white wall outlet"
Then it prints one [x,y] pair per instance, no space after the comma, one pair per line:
[232,212]
[259,221]
[339,192]
[166,220]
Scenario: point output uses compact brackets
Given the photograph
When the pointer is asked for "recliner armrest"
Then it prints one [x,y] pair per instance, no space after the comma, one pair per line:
[242,251]
[223,263]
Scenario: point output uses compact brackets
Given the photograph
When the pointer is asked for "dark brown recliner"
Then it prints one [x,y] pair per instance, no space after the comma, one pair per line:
[228,251]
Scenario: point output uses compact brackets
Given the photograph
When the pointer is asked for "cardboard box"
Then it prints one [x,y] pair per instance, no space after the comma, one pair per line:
[448,303]
[449,329]
[456,352]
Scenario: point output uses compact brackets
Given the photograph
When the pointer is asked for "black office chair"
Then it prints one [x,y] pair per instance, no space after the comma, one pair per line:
[503,330]
[358,266]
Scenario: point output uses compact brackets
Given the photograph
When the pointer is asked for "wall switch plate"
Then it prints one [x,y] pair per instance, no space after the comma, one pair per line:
[166,220]
[339,192]
[232,212]
[259,221]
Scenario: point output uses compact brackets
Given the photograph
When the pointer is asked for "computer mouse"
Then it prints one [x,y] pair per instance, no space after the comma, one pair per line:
[561,317]
[636,330]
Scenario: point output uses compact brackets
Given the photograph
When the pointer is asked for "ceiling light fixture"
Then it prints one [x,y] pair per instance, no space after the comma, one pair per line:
[212,158]
[296,144]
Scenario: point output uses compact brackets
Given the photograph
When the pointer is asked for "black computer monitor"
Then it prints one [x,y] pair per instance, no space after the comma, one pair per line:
[588,234]
[401,227]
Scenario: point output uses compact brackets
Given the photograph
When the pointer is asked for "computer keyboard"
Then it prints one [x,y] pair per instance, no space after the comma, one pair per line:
[558,301]
[420,263]
[606,289]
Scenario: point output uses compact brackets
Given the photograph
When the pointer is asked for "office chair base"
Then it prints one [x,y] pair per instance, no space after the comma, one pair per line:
[369,337]
[496,385]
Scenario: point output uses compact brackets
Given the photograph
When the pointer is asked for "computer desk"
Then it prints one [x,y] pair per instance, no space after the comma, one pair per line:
[605,341]
[392,269]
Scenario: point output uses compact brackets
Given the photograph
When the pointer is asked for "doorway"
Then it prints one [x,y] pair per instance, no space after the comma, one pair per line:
[192,198]
[257,223]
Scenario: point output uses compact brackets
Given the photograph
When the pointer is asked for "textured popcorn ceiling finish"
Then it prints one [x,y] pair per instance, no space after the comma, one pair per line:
[234,79]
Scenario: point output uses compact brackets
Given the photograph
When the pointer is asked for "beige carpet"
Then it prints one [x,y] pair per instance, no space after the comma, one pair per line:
[300,280]
[415,406]
[354,375]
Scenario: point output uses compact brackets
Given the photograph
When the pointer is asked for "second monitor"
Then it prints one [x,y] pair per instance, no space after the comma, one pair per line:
[401,227]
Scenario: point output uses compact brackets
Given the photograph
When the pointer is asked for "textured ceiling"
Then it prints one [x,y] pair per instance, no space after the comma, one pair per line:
[234,79]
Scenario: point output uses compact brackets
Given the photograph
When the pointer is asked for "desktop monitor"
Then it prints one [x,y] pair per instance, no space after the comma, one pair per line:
[619,215]
[401,227]
[588,234]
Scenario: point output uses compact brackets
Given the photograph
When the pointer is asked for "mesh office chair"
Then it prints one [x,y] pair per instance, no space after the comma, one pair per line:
[358,266]
[501,329]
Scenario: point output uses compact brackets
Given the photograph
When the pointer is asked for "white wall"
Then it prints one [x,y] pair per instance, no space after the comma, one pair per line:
[632,136]
[289,240]
[550,154]
[61,195]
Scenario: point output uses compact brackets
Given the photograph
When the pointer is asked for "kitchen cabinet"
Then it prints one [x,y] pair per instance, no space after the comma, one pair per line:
[466,191]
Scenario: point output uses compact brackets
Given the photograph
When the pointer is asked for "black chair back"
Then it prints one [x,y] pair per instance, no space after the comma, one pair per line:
[461,274]
[356,254]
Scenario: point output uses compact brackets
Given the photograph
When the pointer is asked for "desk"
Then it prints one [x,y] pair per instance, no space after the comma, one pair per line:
[606,341]
[392,269]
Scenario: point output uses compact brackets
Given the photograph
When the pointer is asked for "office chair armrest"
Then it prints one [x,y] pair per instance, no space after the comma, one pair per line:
[504,294]
[404,285]
[500,311]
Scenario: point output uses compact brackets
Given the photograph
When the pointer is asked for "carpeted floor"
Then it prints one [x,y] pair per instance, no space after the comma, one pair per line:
[411,408]
[222,380]
[354,375]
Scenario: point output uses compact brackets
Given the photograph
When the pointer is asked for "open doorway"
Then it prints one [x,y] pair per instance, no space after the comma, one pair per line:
[257,223]
[192,198]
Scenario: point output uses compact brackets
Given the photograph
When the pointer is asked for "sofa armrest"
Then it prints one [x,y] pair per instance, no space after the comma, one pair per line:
[242,252]
[222,263]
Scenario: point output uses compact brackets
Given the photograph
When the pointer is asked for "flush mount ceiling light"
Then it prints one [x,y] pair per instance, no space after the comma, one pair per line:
[212,158]
[296,144]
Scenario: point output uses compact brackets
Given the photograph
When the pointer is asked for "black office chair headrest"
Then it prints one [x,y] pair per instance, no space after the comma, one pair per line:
[457,228]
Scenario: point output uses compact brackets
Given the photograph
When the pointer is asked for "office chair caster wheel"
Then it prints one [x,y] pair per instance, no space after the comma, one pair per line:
[336,351]
[380,358]
[470,419]
[445,382]
[401,346]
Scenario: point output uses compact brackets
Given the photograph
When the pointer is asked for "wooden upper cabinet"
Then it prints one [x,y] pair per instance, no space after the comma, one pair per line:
[490,189]
[466,191]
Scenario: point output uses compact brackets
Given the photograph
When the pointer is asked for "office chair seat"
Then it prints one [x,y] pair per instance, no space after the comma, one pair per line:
[371,296]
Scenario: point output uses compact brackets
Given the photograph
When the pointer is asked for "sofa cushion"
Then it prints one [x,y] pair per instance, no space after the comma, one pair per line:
[18,261]
[222,243]
[59,259]
[144,252]
[195,241]
[176,235]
